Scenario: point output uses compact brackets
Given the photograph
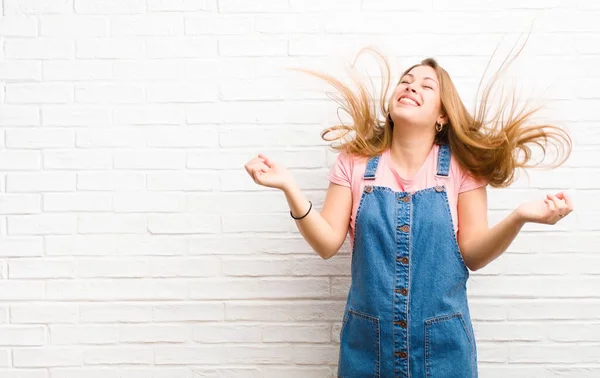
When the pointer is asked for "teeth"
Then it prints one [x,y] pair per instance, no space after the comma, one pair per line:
[408,101]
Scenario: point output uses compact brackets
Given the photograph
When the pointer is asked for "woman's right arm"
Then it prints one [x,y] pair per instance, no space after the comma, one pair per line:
[325,231]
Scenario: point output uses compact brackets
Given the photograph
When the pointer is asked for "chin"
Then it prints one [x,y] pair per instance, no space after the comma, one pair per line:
[405,115]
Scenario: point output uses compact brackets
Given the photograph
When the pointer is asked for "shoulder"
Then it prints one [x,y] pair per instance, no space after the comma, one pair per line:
[463,179]
[351,161]
[345,168]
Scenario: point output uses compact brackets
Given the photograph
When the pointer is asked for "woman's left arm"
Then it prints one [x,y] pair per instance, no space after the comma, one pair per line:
[480,244]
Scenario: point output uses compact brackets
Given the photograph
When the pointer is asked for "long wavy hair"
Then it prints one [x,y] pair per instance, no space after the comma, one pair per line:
[489,146]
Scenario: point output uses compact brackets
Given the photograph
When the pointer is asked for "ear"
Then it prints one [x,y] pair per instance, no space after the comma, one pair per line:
[443,119]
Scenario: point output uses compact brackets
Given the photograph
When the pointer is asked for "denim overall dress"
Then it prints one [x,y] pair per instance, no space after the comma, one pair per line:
[407,313]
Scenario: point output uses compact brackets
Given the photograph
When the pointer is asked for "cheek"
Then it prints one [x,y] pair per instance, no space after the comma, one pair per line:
[399,89]
[433,100]
[392,100]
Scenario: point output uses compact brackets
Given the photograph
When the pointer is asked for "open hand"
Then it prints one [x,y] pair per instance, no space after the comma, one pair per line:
[547,211]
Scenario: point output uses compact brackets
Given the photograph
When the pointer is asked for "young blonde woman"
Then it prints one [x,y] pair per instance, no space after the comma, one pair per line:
[410,188]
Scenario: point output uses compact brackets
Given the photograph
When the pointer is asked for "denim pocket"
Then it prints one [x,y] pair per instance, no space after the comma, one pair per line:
[359,346]
[449,348]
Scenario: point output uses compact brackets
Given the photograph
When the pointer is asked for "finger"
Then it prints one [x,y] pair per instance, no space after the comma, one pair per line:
[255,175]
[257,164]
[267,160]
[561,203]
[252,162]
[561,206]
[558,196]
[567,198]
[258,169]
[263,167]
[551,205]
[554,199]
[258,176]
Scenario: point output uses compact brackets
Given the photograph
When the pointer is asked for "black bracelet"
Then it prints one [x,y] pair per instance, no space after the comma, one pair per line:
[310,207]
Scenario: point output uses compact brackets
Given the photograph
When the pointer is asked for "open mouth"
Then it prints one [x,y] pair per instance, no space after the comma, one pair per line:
[408,101]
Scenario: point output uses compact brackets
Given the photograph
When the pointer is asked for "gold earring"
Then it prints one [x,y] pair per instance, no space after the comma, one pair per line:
[439,127]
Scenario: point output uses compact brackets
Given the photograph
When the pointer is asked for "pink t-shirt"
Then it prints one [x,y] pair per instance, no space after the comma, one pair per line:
[349,170]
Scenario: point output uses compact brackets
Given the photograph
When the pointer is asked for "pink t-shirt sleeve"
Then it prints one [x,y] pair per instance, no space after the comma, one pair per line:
[468,182]
[341,171]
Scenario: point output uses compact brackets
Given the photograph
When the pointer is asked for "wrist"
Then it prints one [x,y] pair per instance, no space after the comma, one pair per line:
[289,187]
[299,217]
[518,217]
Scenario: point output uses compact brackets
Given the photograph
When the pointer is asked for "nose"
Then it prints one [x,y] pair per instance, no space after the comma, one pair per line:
[410,88]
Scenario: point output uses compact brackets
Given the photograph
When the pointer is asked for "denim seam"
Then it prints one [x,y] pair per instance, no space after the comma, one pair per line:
[427,325]
[456,248]
[375,322]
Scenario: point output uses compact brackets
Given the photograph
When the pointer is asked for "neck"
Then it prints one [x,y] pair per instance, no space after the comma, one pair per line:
[409,150]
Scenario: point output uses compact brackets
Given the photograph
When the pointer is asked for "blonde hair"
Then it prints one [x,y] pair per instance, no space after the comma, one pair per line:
[490,148]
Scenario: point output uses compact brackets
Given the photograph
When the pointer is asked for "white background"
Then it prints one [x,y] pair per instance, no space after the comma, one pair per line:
[133,243]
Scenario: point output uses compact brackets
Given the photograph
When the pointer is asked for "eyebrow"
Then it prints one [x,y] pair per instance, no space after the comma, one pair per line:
[425,78]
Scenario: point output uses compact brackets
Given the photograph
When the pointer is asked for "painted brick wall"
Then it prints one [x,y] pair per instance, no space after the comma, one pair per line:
[133,243]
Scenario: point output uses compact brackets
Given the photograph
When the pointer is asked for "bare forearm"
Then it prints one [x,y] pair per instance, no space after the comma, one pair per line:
[314,228]
[487,246]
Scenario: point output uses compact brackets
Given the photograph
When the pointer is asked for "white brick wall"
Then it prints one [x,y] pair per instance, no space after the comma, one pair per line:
[133,244]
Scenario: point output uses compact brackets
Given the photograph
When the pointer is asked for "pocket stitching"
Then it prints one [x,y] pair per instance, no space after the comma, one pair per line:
[368,317]
[431,321]
[344,321]
[375,322]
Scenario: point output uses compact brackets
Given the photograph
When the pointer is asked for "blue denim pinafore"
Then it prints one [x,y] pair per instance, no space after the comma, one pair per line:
[407,313]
